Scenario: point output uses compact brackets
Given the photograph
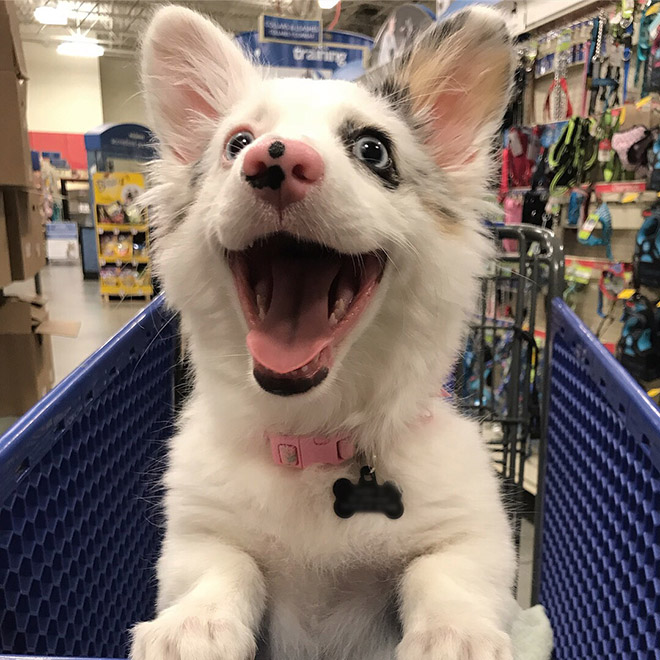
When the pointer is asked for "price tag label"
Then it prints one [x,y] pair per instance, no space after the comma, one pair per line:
[626,294]
[588,226]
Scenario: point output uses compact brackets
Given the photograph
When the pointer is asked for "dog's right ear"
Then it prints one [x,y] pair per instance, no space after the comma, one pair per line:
[454,84]
[192,73]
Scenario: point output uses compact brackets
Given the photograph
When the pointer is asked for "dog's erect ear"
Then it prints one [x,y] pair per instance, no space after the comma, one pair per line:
[192,73]
[454,83]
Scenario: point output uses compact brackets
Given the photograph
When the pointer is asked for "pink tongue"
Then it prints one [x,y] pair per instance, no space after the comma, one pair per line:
[296,327]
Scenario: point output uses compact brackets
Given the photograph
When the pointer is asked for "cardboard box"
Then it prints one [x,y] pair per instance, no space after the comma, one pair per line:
[15,160]
[26,353]
[5,267]
[25,231]
[11,50]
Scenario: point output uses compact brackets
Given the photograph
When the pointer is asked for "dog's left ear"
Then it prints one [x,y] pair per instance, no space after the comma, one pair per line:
[454,84]
[192,73]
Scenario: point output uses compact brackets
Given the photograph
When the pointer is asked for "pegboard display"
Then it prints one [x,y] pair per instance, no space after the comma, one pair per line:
[600,571]
[80,525]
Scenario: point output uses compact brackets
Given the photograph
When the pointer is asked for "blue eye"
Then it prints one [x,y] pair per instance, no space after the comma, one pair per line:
[371,151]
[237,143]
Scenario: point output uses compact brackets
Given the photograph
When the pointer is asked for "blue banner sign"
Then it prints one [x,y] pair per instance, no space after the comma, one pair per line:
[339,49]
[131,141]
[289,30]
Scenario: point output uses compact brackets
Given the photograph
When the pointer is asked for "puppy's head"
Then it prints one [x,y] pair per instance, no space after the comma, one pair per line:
[321,238]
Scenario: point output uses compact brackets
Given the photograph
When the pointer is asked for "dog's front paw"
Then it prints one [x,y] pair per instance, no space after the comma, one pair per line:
[184,634]
[449,643]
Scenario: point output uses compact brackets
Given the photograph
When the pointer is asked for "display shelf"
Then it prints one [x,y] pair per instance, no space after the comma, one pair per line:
[596,263]
[625,217]
[134,261]
[119,228]
[124,270]
[127,291]
[622,192]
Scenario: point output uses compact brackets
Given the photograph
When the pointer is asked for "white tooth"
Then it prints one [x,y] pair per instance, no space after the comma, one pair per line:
[305,369]
[340,309]
[332,320]
[261,306]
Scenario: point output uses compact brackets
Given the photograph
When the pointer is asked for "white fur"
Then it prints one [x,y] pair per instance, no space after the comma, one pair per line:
[253,551]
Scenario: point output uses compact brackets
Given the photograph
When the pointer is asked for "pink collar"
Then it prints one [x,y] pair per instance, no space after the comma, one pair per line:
[300,451]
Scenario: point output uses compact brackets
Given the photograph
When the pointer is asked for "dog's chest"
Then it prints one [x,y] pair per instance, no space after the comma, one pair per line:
[346,612]
[288,517]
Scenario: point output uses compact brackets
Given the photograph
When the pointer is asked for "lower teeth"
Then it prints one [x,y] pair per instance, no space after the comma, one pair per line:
[338,313]
[261,307]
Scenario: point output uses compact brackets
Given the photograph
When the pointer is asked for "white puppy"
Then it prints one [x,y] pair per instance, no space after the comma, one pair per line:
[322,242]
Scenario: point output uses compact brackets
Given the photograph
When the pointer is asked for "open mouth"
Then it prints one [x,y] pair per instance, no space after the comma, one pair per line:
[300,299]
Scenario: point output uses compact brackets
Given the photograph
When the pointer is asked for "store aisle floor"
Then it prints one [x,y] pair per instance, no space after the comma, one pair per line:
[72,298]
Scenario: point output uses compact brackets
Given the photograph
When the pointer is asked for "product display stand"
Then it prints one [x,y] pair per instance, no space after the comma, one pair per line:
[116,156]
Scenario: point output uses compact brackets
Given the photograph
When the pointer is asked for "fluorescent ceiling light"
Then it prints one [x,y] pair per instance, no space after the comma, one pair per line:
[79,46]
[49,15]
[327,4]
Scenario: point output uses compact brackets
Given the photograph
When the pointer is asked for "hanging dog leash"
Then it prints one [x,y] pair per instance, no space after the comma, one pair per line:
[597,59]
[562,107]
[626,28]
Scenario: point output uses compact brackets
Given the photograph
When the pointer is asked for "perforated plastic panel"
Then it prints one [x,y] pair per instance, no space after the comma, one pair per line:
[600,576]
[79,493]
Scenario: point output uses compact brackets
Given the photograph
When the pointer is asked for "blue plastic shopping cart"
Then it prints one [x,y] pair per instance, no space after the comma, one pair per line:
[80,525]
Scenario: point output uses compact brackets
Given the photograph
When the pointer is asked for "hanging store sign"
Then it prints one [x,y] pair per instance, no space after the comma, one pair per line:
[289,30]
[338,50]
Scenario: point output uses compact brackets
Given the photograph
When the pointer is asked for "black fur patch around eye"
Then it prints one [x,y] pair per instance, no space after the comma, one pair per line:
[395,94]
[350,131]
[196,174]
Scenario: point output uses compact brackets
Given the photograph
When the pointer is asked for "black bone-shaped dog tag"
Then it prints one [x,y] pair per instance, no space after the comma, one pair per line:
[367,496]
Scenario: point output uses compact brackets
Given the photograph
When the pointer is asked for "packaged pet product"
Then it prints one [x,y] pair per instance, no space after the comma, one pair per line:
[109,244]
[631,147]
[512,216]
[602,217]
[128,277]
[573,155]
[124,246]
[646,259]
[638,349]
[109,275]
[534,209]
[111,213]
[143,277]
[576,202]
[133,214]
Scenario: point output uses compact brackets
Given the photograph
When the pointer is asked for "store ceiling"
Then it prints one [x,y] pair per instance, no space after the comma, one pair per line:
[118,24]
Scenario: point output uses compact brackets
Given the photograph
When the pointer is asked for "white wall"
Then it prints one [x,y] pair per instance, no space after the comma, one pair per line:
[532,14]
[64,93]
[120,90]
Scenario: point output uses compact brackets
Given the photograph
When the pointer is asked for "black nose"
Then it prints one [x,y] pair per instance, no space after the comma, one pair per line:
[271,177]
[276,149]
